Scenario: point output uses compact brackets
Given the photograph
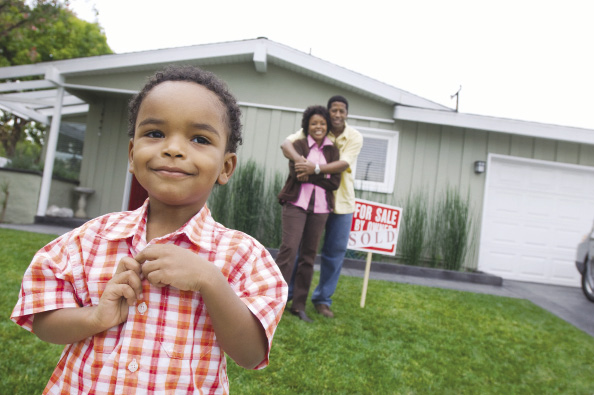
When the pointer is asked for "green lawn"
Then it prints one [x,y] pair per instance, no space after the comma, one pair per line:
[407,340]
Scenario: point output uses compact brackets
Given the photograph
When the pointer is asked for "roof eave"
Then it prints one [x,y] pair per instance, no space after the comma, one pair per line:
[260,51]
[493,124]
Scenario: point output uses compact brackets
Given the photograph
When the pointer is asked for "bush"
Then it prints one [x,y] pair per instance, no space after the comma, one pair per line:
[441,237]
[250,205]
[451,230]
[26,157]
[414,224]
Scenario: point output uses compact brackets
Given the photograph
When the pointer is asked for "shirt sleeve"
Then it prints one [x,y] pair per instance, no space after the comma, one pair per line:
[260,285]
[351,149]
[296,136]
[47,284]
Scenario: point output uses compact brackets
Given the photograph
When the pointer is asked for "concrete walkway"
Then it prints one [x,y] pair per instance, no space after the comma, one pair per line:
[568,303]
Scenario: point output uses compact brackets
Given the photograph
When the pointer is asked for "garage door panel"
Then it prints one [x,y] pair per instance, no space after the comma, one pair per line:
[531,267]
[559,270]
[537,205]
[565,240]
[571,210]
[536,235]
[501,232]
[510,203]
[540,178]
[579,184]
[500,263]
[534,215]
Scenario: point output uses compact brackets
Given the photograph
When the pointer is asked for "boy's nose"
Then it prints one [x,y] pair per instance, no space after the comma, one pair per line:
[173,148]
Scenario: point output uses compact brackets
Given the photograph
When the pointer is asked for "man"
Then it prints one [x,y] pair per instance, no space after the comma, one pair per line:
[349,142]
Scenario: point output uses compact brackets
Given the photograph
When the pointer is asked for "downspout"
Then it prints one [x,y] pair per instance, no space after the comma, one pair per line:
[54,76]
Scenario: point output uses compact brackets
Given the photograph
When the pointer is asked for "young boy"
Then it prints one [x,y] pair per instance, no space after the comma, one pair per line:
[149,301]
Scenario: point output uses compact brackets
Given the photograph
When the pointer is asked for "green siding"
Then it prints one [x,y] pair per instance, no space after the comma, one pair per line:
[430,157]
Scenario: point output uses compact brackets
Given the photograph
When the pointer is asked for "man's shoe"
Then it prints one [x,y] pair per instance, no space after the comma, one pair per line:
[324,309]
[301,314]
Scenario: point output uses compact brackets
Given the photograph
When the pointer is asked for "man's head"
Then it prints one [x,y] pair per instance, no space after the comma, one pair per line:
[340,99]
[200,77]
[338,107]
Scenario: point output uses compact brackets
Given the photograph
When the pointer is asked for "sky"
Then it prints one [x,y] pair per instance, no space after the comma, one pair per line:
[529,60]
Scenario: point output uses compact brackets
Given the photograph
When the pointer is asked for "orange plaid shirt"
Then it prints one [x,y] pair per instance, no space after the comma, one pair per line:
[167,345]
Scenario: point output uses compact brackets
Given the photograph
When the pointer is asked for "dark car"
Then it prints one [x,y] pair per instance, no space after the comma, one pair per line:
[584,261]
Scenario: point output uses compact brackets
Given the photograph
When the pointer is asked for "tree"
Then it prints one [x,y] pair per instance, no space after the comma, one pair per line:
[43,31]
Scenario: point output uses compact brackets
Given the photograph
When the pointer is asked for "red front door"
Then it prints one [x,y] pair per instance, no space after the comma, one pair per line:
[137,195]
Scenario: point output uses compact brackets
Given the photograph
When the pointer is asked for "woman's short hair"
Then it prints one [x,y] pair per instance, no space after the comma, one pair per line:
[310,112]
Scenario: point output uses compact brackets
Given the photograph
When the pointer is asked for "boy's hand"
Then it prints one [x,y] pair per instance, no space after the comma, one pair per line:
[123,290]
[168,264]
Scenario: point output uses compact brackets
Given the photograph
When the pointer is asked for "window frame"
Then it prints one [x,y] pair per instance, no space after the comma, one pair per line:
[391,137]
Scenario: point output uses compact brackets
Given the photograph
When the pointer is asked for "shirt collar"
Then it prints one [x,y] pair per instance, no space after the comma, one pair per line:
[132,224]
[347,130]
[311,142]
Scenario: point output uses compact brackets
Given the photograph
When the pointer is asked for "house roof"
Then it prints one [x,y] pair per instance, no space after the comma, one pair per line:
[36,99]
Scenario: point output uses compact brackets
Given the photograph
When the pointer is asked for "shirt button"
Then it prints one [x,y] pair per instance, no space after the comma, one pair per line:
[133,366]
[142,308]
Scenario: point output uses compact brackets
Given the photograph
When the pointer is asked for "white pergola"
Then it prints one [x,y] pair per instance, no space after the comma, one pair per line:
[45,101]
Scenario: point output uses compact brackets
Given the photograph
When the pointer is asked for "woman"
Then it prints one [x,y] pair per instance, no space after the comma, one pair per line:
[306,205]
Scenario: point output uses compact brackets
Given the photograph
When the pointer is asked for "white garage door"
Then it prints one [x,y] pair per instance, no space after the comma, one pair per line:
[534,214]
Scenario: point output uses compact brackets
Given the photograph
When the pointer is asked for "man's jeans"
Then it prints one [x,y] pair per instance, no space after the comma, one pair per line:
[336,240]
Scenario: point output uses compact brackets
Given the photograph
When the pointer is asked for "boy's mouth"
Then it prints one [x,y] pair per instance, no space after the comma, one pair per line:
[171,171]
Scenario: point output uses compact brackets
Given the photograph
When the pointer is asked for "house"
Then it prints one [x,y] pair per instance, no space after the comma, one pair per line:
[533,202]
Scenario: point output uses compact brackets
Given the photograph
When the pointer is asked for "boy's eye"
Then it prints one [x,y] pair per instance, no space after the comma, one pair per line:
[154,134]
[200,140]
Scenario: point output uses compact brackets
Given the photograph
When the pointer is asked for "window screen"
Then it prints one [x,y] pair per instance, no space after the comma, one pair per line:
[371,163]
[376,163]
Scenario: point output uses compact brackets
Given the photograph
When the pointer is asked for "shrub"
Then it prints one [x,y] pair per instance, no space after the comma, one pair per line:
[4,189]
[451,230]
[249,204]
[272,225]
[414,228]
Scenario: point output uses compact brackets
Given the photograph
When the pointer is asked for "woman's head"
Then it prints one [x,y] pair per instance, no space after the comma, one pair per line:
[310,112]
[200,77]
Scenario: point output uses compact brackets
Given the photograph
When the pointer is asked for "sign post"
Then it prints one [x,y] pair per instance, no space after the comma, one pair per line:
[374,229]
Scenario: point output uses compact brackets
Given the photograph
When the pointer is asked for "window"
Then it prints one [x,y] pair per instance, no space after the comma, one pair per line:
[376,164]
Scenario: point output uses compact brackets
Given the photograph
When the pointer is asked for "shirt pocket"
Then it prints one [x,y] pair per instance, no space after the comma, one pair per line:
[188,333]
[106,341]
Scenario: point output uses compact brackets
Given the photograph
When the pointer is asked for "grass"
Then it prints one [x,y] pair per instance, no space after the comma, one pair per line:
[26,363]
[407,340]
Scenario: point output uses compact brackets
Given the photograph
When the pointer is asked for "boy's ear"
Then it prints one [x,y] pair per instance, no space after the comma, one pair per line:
[228,168]
[131,156]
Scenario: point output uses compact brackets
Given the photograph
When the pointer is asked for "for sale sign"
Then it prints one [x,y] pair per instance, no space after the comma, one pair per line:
[375,227]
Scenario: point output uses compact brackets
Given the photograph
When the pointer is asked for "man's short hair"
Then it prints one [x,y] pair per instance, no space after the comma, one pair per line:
[338,98]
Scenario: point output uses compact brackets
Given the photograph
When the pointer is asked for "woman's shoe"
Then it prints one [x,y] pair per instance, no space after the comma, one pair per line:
[301,314]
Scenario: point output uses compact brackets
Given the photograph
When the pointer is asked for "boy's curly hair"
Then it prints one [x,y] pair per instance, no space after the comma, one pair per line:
[310,112]
[201,77]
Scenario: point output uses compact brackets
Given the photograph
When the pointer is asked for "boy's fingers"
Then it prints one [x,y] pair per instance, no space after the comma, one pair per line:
[128,263]
[150,253]
[126,292]
[131,280]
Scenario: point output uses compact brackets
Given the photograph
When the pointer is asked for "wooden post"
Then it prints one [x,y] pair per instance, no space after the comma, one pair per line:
[366,278]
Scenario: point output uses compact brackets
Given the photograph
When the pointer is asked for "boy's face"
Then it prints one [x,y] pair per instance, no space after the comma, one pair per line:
[179,147]
[338,114]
